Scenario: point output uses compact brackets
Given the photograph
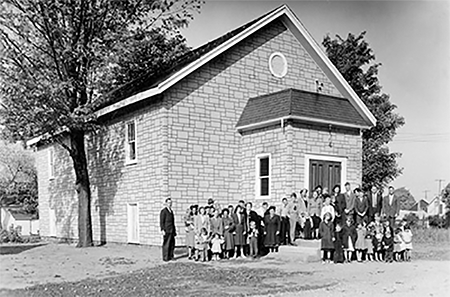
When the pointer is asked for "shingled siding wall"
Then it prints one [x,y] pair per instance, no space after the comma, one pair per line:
[204,108]
[114,184]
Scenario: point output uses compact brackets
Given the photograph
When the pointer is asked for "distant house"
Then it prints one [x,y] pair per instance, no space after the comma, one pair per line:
[15,216]
[256,114]
[436,206]
[421,205]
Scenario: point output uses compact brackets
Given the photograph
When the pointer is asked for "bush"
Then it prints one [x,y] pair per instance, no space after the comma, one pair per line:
[436,221]
[431,235]
[411,219]
[13,235]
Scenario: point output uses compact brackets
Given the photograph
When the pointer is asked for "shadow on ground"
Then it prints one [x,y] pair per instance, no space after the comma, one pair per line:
[18,248]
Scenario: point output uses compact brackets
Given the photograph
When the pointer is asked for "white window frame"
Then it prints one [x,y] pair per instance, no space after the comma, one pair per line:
[258,177]
[129,161]
[285,69]
[340,159]
[129,239]
[51,163]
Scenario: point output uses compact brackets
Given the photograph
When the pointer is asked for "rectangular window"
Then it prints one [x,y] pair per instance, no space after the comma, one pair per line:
[51,163]
[130,144]
[263,176]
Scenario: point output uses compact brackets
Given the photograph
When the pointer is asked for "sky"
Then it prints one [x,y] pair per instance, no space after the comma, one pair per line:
[412,41]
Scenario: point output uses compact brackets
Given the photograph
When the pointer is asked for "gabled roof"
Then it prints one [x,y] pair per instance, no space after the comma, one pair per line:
[21,215]
[158,83]
[152,79]
[300,105]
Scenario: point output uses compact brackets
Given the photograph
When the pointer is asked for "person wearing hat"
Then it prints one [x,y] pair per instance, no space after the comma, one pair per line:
[272,230]
[215,204]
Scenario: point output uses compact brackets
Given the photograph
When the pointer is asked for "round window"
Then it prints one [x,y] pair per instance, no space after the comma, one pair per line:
[278,64]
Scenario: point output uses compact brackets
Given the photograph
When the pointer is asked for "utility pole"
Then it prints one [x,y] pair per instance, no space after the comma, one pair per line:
[440,181]
[426,191]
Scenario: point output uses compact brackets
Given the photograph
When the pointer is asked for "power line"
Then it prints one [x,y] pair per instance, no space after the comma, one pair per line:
[440,181]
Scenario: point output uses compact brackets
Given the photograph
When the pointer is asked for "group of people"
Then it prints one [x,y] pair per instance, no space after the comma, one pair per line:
[362,227]
[345,223]
[214,233]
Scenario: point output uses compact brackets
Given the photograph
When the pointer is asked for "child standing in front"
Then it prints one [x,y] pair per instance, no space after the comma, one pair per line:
[369,242]
[399,246]
[377,240]
[253,239]
[407,239]
[360,245]
[202,246]
[326,233]
[349,239]
[388,245]
[338,256]
[307,227]
[216,246]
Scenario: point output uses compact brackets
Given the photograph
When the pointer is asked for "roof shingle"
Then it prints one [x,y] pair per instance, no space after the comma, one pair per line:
[292,102]
[152,79]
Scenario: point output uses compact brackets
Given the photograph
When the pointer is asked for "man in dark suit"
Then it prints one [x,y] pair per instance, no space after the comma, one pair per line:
[167,224]
[391,206]
[375,202]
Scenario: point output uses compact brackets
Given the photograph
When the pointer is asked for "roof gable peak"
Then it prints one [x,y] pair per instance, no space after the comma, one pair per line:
[292,23]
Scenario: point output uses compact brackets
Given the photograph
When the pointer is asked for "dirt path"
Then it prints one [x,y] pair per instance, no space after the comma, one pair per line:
[64,262]
[57,263]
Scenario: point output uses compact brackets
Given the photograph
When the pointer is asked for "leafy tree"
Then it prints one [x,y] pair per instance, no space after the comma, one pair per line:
[355,60]
[436,221]
[59,58]
[18,179]
[446,199]
[406,198]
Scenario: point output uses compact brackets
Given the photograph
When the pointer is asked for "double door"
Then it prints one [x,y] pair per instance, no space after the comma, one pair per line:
[324,173]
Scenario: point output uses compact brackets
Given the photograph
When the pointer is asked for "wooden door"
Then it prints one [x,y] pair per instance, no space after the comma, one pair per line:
[324,173]
[52,222]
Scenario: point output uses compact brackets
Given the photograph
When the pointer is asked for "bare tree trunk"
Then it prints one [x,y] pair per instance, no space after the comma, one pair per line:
[82,185]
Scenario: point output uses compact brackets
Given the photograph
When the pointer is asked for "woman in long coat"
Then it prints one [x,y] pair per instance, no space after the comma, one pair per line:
[340,205]
[228,229]
[190,232]
[240,231]
[216,223]
[272,225]
[201,221]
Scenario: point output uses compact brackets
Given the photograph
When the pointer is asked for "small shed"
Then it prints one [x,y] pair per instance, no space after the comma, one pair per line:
[15,216]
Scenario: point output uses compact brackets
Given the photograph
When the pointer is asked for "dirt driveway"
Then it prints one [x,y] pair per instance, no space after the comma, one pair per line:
[275,275]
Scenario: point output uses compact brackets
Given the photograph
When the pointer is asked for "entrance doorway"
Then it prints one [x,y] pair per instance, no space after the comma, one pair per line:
[324,173]
[133,222]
